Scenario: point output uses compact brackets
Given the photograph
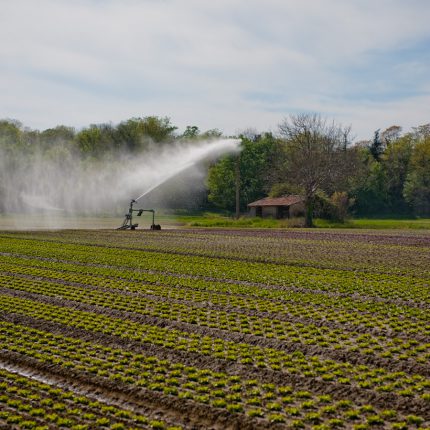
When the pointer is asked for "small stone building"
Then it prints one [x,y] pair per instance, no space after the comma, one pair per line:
[278,207]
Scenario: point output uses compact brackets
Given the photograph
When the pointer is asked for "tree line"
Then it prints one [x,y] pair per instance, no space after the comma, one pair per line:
[308,157]
[386,175]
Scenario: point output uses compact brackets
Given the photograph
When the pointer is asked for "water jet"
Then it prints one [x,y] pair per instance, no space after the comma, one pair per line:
[168,167]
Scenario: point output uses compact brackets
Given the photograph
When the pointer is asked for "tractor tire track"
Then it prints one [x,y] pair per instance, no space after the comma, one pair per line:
[198,415]
[15,363]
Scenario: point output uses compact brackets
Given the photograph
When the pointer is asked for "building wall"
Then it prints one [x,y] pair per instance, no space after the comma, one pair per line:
[297,210]
[270,211]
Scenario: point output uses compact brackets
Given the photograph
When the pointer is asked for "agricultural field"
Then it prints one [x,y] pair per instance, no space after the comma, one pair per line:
[215,329]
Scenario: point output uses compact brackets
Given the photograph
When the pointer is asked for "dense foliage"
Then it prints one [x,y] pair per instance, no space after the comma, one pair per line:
[388,175]
[249,171]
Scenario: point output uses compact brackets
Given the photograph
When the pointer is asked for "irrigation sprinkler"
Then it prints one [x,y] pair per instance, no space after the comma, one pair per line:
[128,220]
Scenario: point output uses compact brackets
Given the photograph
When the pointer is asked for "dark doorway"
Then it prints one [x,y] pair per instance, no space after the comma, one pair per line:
[283,212]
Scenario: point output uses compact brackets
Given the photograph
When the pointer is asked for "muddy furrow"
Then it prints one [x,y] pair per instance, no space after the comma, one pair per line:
[237,310]
[355,296]
[82,388]
[317,385]
[171,408]
[408,366]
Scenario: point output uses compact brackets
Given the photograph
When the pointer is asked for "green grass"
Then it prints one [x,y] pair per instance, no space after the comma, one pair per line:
[217,220]
[222,221]
[367,223]
[205,220]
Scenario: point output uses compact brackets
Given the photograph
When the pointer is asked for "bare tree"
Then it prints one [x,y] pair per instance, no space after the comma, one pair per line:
[391,134]
[317,156]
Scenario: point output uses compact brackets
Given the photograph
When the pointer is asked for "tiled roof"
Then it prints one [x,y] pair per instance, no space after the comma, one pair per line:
[277,201]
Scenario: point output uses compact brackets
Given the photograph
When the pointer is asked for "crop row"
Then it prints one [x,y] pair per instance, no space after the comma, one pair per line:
[182,323]
[376,285]
[309,334]
[269,401]
[341,310]
[345,373]
[342,252]
[28,404]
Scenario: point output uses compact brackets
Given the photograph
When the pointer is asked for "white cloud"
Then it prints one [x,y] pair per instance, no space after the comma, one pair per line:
[226,64]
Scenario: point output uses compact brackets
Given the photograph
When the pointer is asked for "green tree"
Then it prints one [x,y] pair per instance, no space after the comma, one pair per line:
[367,185]
[10,133]
[254,163]
[191,132]
[158,129]
[213,133]
[221,183]
[59,134]
[417,186]
[89,140]
[377,147]
[136,134]
[378,186]
[394,164]
[10,154]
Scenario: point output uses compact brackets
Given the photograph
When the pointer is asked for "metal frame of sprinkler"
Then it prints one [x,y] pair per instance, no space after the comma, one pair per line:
[128,220]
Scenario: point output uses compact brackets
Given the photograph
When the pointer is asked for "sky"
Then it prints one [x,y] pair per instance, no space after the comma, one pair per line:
[226,64]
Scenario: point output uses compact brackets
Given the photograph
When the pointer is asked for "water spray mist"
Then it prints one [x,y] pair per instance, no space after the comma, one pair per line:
[63,184]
